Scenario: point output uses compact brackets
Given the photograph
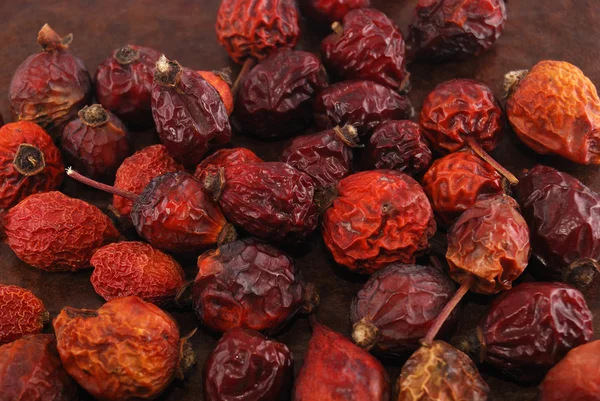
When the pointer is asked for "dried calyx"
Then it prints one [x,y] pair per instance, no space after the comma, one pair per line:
[311,299]
[365,334]
[94,115]
[126,55]
[50,40]
[581,273]
[29,160]
[167,72]
[473,344]
[187,356]
[511,80]
[214,182]
[337,28]
[348,135]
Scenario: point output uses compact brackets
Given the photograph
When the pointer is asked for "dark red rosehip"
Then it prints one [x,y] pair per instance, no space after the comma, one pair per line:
[248,366]
[21,313]
[124,83]
[227,157]
[50,87]
[363,104]
[96,142]
[332,10]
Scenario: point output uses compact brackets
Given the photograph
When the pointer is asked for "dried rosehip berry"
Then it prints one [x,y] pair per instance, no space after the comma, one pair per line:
[96,142]
[124,82]
[530,328]
[50,87]
[29,162]
[276,97]
[554,109]
[456,181]
[335,369]
[325,156]
[271,201]
[440,372]
[188,112]
[454,29]
[221,81]
[363,104]
[249,284]
[576,377]
[247,366]
[21,313]
[397,305]
[398,145]
[333,10]
[227,157]
[367,45]
[378,217]
[126,335]
[54,232]
[136,268]
[30,370]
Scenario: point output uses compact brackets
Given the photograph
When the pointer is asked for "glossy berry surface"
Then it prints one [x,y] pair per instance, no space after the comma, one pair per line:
[227,157]
[21,313]
[332,10]
[221,81]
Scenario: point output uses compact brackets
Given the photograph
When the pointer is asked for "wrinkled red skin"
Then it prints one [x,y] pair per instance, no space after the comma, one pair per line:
[363,104]
[459,109]
[378,217]
[271,201]
[444,30]
[135,268]
[247,284]
[398,145]
[490,243]
[21,313]
[54,232]
[247,366]
[276,97]
[369,46]
[30,370]
[173,214]
[219,82]
[16,186]
[335,369]
[456,181]
[256,28]
[124,83]
[402,302]
[332,10]
[576,377]
[227,157]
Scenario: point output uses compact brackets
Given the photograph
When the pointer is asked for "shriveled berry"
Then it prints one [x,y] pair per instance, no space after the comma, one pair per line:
[21,313]
[136,268]
[227,157]
[333,10]
[221,81]
[54,232]
[50,87]
[29,162]
[247,366]
[126,335]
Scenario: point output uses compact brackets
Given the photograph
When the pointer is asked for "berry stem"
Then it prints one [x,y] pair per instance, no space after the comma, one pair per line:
[98,185]
[490,160]
[248,64]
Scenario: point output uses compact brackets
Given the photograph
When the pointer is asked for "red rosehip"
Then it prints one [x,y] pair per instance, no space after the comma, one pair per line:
[21,313]
[332,10]
[221,81]
[227,157]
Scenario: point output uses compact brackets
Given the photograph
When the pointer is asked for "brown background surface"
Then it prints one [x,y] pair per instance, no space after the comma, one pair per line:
[184,30]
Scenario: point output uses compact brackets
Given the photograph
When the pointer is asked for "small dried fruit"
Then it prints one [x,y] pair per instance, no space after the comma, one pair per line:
[247,366]
[225,158]
[29,162]
[21,313]
[30,370]
[333,10]
[135,268]
[221,81]
[125,335]
[50,87]
[54,232]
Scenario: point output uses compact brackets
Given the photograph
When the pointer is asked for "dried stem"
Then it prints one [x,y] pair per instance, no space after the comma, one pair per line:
[337,28]
[98,185]
[490,160]
[248,64]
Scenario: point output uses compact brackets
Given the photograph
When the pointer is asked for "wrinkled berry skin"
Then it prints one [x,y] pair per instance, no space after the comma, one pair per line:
[336,369]
[21,313]
[125,335]
[378,217]
[50,87]
[136,172]
[246,365]
[30,370]
[460,110]
[555,109]
[276,97]
[256,28]
[489,242]
[444,30]
[123,83]
[227,157]
[96,143]
[271,201]
[247,284]
[222,83]
[440,372]
[333,10]
[456,181]
[400,303]
[574,378]
[54,232]
[174,214]
[398,145]
[20,143]
[136,268]
[367,45]
[362,104]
